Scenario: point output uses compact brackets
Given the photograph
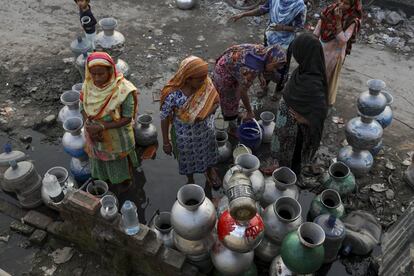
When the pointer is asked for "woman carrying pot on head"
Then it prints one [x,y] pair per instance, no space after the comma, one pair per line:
[188,103]
[303,107]
[337,30]
[287,17]
[235,71]
[108,105]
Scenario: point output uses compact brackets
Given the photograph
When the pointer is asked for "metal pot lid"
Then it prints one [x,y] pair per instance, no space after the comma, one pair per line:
[18,170]
[10,155]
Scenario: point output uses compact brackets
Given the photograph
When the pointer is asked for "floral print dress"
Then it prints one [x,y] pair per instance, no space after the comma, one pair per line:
[231,72]
[195,144]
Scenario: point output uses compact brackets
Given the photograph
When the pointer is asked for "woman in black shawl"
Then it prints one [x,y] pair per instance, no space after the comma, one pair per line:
[303,107]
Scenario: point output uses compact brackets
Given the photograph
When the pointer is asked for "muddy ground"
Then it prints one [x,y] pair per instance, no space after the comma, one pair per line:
[36,69]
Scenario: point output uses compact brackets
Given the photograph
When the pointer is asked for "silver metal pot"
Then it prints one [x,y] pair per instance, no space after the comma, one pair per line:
[242,205]
[193,215]
[73,140]
[195,250]
[372,103]
[163,228]
[359,161]
[70,99]
[267,250]
[229,262]
[145,131]
[282,217]
[282,183]
[268,124]
[363,133]
[249,165]
[224,146]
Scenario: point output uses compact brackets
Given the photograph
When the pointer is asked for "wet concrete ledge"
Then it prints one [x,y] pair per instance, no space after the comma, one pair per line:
[82,225]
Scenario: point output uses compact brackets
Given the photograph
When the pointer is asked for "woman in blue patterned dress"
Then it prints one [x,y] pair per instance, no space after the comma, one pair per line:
[188,103]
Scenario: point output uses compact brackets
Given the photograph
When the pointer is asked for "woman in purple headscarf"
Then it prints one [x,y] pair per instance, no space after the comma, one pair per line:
[236,69]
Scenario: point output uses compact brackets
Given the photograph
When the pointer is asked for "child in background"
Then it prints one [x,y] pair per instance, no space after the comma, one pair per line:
[87,20]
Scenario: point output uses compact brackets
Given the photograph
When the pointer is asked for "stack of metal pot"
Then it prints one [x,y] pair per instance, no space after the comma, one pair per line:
[23,179]
[193,218]
[8,155]
[240,228]
[363,133]
[112,42]
[73,144]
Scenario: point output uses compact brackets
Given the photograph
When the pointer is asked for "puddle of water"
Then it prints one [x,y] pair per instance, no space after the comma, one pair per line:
[13,258]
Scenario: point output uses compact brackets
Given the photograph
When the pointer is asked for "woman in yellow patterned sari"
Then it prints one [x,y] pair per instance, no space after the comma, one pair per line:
[108,105]
[188,102]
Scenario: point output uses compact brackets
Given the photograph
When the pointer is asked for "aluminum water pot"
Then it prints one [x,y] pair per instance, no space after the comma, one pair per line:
[359,161]
[229,262]
[363,132]
[145,131]
[242,205]
[223,146]
[240,236]
[70,99]
[334,235]
[282,183]
[185,4]
[79,46]
[328,202]
[372,103]
[163,228]
[8,155]
[110,39]
[196,249]
[385,118]
[267,250]
[267,122]
[339,178]
[193,215]
[77,87]
[282,217]
[73,140]
[249,165]
[80,64]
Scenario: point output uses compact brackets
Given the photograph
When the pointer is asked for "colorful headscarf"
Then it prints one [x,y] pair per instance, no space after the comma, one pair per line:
[256,56]
[350,16]
[201,103]
[285,11]
[98,102]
